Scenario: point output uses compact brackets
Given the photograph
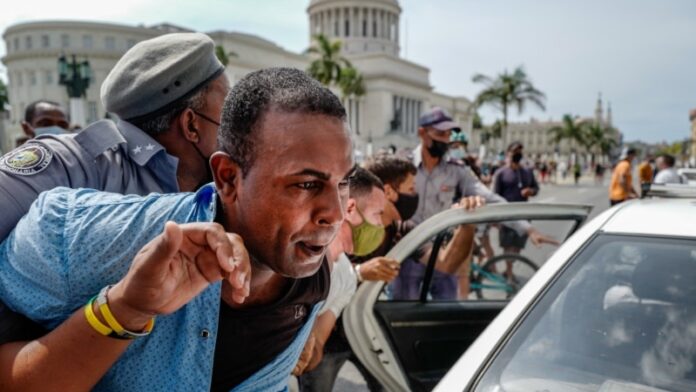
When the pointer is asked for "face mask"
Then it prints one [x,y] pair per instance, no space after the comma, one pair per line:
[208,170]
[406,205]
[52,130]
[438,149]
[517,157]
[457,153]
[366,237]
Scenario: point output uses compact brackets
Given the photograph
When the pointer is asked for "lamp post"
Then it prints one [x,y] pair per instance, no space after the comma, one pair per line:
[75,76]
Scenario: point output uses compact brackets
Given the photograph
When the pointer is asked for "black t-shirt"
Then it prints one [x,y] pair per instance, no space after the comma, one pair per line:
[248,339]
[15,327]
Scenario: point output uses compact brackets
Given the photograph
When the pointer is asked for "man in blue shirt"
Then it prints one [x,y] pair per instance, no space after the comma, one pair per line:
[161,143]
[287,211]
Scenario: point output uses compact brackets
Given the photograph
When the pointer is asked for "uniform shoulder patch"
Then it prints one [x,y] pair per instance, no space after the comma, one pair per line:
[27,160]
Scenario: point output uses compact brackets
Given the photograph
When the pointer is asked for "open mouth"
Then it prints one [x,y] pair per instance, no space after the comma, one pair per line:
[311,250]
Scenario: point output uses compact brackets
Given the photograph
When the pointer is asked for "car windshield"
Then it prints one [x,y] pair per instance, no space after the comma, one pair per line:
[620,317]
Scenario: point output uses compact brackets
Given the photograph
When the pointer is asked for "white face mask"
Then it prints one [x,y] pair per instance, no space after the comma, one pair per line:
[457,153]
[52,130]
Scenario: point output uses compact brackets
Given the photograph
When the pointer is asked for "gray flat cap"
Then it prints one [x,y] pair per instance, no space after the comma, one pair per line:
[156,73]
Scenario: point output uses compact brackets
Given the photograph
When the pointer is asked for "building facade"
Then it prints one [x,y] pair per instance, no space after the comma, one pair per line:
[534,135]
[397,90]
[692,150]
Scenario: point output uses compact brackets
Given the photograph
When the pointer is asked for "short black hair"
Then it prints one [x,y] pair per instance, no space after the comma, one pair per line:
[362,182]
[631,151]
[668,159]
[30,111]
[284,89]
[391,170]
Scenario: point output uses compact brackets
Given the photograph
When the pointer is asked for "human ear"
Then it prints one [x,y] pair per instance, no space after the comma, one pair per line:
[226,174]
[187,122]
[28,129]
[351,209]
[390,193]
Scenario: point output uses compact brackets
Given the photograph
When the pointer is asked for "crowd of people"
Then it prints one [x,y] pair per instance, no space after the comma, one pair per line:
[210,237]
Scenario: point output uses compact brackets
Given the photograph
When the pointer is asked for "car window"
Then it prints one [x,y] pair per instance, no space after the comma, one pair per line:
[621,317]
[501,260]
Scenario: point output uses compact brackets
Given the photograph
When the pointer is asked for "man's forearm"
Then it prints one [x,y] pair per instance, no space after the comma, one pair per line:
[457,251]
[322,328]
[73,357]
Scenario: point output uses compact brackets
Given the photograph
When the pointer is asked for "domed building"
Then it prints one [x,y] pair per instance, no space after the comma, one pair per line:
[397,91]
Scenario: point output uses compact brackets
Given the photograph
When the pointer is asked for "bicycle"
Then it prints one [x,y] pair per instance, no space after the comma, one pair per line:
[496,279]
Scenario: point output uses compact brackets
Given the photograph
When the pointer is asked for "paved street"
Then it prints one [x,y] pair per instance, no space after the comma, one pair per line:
[586,192]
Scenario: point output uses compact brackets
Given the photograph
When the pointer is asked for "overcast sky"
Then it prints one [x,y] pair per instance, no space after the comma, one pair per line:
[640,54]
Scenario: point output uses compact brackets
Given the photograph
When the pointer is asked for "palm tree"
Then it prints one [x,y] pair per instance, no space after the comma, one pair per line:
[599,139]
[571,128]
[221,55]
[506,90]
[351,82]
[330,68]
[327,67]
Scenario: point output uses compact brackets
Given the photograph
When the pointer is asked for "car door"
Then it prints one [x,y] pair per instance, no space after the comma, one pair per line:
[409,341]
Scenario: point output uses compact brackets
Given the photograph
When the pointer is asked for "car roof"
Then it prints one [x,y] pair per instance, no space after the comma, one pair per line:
[662,217]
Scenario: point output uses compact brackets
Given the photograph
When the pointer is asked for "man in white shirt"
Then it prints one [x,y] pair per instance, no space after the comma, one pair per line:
[667,174]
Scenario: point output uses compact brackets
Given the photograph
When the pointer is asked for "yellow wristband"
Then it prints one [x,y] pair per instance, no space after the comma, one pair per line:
[118,329]
[94,321]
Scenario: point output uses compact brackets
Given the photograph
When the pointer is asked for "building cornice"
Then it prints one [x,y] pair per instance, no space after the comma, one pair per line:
[333,4]
[40,26]
[55,53]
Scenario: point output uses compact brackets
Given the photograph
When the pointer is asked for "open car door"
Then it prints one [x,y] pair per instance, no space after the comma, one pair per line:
[410,332]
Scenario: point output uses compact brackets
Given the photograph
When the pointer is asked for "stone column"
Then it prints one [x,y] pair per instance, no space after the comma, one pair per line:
[396,29]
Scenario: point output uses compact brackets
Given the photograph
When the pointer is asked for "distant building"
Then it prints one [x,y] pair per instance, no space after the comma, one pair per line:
[397,90]
[536,139]
[692,118]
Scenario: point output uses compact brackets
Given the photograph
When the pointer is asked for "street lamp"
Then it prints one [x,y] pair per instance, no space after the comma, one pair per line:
[76,77]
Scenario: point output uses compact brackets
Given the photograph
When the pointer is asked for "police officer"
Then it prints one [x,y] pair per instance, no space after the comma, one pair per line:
[43,117]
[168,92]
[441,182]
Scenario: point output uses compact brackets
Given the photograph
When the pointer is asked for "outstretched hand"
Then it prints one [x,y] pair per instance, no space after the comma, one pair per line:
[470,203]
[539,239]
[175,267]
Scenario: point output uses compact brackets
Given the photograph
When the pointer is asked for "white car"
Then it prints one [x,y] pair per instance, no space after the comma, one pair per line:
[408,342]
[613,309]
[689,175]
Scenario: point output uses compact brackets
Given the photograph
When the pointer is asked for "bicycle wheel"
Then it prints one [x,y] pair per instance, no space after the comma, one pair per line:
[502,276]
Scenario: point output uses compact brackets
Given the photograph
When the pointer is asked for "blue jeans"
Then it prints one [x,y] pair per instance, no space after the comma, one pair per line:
[323,377]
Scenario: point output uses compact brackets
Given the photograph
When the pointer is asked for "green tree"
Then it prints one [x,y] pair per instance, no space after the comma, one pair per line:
[508,90]
[4,97]
[330,68]
[221,55]
[571,128]
[599,139]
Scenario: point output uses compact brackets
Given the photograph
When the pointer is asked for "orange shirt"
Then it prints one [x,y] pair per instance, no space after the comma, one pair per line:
[621,179]
[645,172]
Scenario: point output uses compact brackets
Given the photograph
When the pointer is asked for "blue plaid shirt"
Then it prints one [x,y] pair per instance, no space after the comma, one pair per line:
[73,242]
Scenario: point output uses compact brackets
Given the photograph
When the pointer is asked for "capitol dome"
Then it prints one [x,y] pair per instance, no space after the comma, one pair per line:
[364,26]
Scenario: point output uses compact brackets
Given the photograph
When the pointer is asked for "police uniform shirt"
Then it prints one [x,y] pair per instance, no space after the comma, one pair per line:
[438,189]
[108,156]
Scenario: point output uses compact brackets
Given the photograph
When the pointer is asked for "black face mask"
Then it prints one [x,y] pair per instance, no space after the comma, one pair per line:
[516,157]
[406,205]
[438,149]
[208,170]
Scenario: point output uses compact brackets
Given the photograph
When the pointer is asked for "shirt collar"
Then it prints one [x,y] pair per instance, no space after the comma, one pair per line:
[141,146]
